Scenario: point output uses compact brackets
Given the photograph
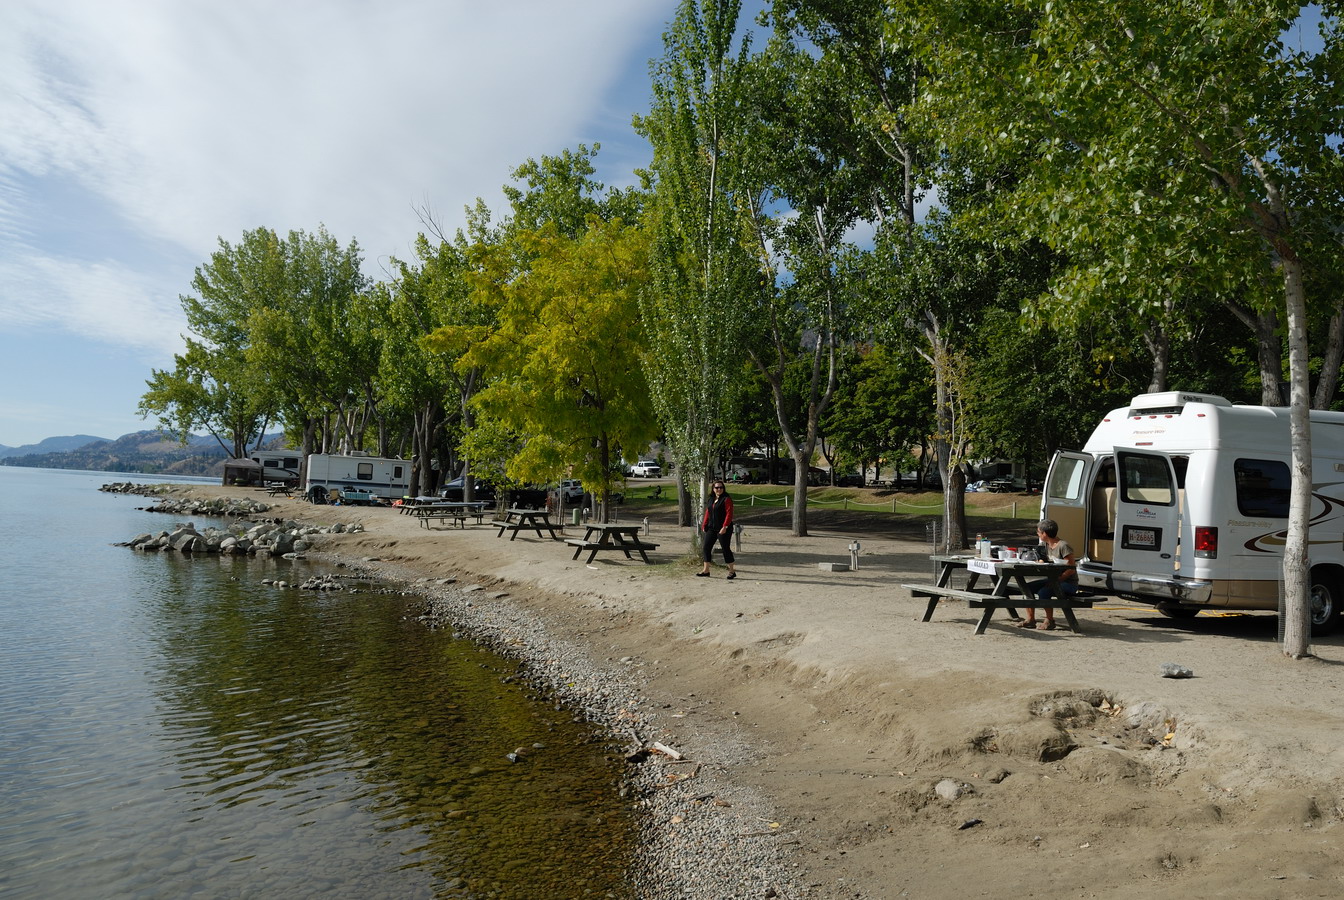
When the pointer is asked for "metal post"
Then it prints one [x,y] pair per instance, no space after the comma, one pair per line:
[646,524]
[854,547]
[737,535]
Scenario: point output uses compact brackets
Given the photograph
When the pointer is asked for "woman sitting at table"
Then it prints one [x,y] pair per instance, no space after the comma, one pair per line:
[1045,590]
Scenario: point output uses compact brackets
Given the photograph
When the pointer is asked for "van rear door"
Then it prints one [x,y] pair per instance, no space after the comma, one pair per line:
[1148,513]
[1068,485]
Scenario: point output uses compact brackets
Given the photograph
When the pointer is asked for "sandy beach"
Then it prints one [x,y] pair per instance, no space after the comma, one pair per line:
[876,755]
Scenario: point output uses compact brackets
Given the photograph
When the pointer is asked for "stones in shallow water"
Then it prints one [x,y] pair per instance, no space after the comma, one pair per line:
[275,537]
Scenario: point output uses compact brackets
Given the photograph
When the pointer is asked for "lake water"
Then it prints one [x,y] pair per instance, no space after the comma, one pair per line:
[172,727]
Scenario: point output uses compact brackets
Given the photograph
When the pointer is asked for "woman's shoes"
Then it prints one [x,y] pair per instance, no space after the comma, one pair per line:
[701,574]
[732,575]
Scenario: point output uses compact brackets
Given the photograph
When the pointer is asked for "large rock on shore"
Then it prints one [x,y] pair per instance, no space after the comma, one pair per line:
[269,538]
[233,507]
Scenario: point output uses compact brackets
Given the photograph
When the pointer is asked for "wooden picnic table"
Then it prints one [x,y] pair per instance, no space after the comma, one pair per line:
[611,536]
[410,504]
[1008,590]
[516,520]
[273,490]
[443,510]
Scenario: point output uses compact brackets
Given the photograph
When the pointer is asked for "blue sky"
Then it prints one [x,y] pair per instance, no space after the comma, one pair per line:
[136,133]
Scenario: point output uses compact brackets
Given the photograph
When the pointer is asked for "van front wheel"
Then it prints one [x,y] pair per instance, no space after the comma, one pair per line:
[1325,603]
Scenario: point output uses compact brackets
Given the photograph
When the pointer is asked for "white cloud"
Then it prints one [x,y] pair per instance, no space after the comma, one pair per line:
[136,133]
[104,302]
[199,120]
[195,121]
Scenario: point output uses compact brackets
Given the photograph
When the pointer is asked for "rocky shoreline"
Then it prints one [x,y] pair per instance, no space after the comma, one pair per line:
[833,744]
[729,848]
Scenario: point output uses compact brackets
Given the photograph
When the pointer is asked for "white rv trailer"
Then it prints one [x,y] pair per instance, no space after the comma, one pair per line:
[278,465]
[1181,500]
[380,476]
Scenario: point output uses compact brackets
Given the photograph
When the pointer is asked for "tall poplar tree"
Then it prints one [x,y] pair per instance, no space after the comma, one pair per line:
[704,279]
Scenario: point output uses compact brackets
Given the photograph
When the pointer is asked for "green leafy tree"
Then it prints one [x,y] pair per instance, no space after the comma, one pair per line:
[275,317]
[420,375]
[882,408]
[208,390]
[703,277]
[312,335]
[1167,140]
[563,353]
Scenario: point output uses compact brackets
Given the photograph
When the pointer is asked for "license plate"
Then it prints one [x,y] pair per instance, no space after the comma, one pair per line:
[1141,538]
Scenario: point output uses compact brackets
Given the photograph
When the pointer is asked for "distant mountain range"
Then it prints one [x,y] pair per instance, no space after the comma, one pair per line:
[51,445]
[146,452]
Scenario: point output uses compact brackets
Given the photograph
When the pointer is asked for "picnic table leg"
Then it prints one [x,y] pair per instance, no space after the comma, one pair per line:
[984,619]
[1073,620]
[933,603]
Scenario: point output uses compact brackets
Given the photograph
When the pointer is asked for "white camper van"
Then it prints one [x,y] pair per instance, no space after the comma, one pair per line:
[380,476]
[278,465]
[1181,500]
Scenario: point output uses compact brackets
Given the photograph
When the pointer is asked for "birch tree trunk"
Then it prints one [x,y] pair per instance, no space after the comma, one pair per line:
[1334,356]
[1296,561]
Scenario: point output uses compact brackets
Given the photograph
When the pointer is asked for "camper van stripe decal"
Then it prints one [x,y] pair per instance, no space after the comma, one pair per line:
[1275,540]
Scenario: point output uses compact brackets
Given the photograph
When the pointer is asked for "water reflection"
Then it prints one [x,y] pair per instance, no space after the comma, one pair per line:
[329,739]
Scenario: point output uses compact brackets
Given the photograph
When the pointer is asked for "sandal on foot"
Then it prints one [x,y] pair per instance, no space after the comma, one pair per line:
[732,575]
[1046,626]
[701,574]
[1025,623]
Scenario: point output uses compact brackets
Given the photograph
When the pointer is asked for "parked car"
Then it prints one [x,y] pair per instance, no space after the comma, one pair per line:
[481,490]
[529,496]
[572,490]
[646,468]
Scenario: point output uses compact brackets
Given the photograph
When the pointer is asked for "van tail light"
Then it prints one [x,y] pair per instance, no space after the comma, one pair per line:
[1206,541]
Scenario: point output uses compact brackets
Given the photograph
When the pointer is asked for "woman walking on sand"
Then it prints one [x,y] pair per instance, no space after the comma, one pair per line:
[718,526]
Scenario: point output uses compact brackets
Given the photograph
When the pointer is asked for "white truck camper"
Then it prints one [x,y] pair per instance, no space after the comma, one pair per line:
[1181,500]
[278,465]
[380,476]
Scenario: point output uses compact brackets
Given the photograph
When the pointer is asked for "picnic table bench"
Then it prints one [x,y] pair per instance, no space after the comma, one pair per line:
[408,505]
[457,511]
[611,536]
[1009,589]
[516,520]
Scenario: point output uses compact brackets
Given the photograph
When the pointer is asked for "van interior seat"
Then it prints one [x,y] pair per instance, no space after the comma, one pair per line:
[1104,501]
